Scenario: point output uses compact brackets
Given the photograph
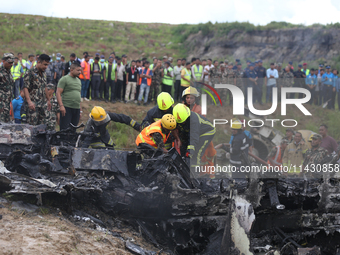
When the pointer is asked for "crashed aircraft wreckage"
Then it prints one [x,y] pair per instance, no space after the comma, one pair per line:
[155,193]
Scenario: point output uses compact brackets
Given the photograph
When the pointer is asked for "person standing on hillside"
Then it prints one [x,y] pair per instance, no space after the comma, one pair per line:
[288,80]
[272,75]
[252,78]
[185,77]
[262,74]
[35,91]
[102,78]
[145,81]
[327,80]
[110,80]
[177,72]
[132,76]
[167,81]
[311,81]
[69,97]
[327,141]
[197,72]
[119,79]
[96,73]
[206,70]
[30,62]
[157,72]
[299,80]
[6,87]
[73,60]
[22,62]
[58,69]
[17,72]
[85,77]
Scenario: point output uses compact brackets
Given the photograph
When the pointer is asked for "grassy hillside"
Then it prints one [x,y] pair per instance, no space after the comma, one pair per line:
[38,34]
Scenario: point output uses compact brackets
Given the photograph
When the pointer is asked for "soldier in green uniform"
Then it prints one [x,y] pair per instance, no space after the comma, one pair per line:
[315,155]
[35,96]
[52,116]
[239,76]
[215,77]
[288,80]
[231,79]
[6,86]
[156,80]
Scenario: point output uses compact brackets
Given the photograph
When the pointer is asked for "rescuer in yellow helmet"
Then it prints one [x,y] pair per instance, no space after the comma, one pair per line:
[195,132]
[164,106]
[97,123]
[189,97]
[158,132]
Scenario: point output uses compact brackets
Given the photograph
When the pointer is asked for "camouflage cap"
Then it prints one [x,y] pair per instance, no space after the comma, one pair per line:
[291,130]
[279,64]
[316,136]
[222,65]
[9,57]
[170,58]
[284,140]
[165,57]
[50,86]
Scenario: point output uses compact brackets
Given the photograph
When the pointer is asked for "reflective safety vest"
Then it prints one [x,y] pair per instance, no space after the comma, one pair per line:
[85,71]
[35,63]
[23,61]
[198,72]
[148,80]
[277,158]
[167,80]
[100,69]
[187,75]
[113,71]
[146,135]
[16,71]
[307,71]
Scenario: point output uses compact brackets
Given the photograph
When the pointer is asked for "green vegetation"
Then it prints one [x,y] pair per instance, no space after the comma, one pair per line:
[38,34]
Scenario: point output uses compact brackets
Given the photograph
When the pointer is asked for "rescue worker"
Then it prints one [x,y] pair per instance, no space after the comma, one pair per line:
[164,106]
[6,87]
[276,154]
[195,132]
[190,96]
[158,132]
[99,119]
[239,146]
[315,155]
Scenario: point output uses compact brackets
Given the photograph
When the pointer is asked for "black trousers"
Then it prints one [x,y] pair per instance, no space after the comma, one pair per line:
[119,86]
[102,91]
[110,84]
[71,116]
[178,95]
[166,88]
[137,92]
[181,89]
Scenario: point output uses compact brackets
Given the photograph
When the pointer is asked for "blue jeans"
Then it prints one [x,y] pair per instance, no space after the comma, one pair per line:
[144,88]
[269,93]
[84,87]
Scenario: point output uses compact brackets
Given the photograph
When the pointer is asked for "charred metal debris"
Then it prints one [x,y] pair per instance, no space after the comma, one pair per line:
[176,213]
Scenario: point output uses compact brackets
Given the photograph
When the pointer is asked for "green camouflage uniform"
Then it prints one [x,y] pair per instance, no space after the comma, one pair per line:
[51,116]
[36,83]
[314,157]
[155,83]
[6,89]
[215,78]
[230,75]
[287,79]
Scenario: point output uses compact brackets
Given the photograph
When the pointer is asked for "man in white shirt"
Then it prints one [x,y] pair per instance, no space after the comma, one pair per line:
[206,71]
[177,73]
[272,75]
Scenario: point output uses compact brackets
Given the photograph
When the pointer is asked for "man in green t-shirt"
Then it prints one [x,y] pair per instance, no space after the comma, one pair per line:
[69,97]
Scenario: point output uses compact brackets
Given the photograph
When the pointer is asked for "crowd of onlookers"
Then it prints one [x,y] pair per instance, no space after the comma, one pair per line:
[115,79]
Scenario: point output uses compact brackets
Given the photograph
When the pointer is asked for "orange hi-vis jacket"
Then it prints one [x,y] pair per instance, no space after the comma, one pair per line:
[85,71]
[146,135]
[277,158]
[148,80]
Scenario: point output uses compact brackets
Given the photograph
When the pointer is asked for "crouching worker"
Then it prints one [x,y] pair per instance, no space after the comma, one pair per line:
[157,133]
[97,124]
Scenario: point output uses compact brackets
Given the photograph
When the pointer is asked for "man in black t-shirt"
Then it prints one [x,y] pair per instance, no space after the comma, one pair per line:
[132,76]
[73,59]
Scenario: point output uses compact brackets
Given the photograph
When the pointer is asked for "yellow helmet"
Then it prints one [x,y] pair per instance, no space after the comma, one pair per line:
[168,121]
[164,101]
[311,138]
[98,113]
[191,91]
[236,124]
[181,112]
